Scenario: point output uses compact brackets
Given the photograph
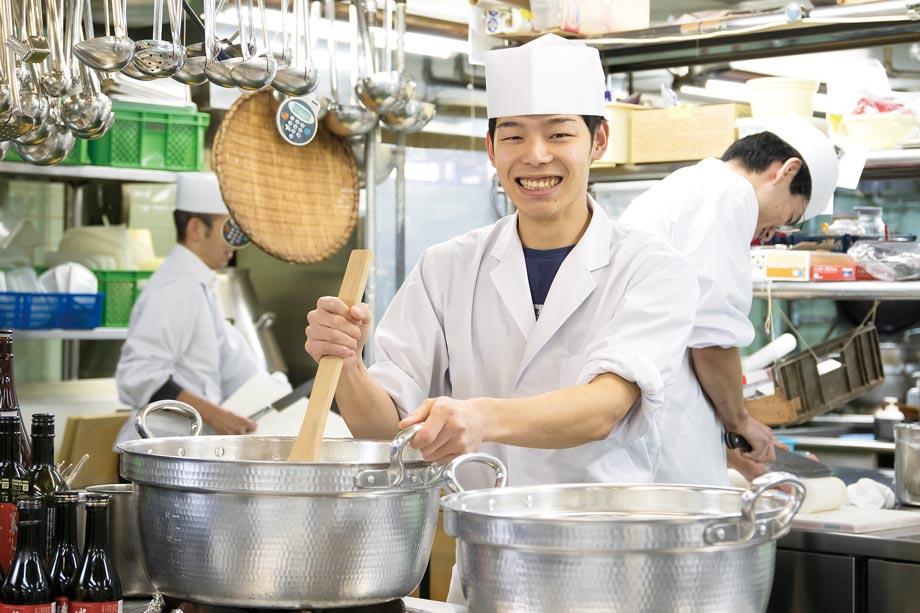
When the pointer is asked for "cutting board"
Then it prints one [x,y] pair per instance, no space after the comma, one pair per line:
[857,521]
[260,390]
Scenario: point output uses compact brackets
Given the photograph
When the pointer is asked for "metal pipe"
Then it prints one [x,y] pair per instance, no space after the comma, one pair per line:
[370,229]
[400,208]
[331,48]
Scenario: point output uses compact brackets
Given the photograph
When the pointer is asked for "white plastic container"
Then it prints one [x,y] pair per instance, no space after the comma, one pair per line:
[781,96]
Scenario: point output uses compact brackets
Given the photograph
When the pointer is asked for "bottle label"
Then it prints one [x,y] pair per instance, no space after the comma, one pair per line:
[61,604]
[94,607]
[27,608]
[8,531]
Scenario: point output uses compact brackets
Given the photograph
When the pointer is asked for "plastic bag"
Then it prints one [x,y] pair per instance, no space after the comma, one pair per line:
[887,260]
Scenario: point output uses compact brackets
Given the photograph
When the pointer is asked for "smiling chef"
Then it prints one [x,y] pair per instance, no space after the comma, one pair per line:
[547,338]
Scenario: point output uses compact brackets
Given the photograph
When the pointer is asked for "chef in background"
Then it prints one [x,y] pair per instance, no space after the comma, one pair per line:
[711,212]
[179,345]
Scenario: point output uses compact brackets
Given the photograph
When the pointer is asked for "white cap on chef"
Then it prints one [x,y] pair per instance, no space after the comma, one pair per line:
[199,192]
[547,76]
[818,154]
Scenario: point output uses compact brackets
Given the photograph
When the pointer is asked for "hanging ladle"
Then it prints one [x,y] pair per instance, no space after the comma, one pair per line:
[33,104]
[301,77]
[259,69]
[58,81]
[108,53]
[192,71]
[218,72]
[13,123]
[343,119]
[156,57]
[416,114]
[388,90]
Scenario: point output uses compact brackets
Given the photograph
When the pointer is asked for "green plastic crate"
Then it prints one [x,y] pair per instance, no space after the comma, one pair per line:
[152,137]
[79,156]
[121,289]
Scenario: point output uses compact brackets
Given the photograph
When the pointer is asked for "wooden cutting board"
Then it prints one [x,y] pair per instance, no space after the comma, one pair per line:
[857,521]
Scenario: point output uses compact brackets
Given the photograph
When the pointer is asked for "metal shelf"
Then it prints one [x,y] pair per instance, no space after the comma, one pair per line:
[885,164]
[759,34]
[95,334]
[842,290]
[86,173]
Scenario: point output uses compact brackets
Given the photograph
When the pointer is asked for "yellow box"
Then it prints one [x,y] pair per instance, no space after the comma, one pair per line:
[683,133]
[781,265]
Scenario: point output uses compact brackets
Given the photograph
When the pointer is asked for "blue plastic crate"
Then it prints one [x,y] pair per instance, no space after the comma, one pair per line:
[27,311]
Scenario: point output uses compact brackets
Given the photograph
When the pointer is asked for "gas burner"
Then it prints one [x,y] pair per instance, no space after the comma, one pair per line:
[169,605]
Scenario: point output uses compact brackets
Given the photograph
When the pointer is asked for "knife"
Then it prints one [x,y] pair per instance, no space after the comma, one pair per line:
[787,461]
[284,402]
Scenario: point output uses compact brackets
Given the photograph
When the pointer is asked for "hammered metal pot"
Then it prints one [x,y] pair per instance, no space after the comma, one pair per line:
[226,520]
[907,463]
[620,548]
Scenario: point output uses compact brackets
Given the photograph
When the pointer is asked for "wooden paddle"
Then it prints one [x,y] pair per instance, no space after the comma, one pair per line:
[308,442]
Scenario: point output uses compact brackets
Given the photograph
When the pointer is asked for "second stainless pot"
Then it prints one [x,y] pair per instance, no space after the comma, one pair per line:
[620,548]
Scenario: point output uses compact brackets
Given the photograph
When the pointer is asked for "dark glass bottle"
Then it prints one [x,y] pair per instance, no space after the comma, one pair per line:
[9,403]
[14,486]
[96,587]
[44,477]
[65,557]
[26,588]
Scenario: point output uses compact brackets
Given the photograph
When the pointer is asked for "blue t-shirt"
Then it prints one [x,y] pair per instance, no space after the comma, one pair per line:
[542,266]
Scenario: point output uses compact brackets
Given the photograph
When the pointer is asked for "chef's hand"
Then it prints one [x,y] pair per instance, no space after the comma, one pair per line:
[452,428]
[334,329]
[219,418]
[748,468]
[760,437]
[227,422]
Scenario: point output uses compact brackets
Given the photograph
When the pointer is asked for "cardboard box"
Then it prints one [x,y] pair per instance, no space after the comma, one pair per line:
[589,17]
[618,115]
[781,265]
[683,133]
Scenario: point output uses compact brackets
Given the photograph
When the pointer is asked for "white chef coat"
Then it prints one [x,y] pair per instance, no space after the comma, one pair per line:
[708,212]
[178,330]
[463,325]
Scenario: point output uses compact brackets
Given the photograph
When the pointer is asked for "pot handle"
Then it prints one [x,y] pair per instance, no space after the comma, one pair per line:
[450,471]
[172,406]
[747,528]
[395,474]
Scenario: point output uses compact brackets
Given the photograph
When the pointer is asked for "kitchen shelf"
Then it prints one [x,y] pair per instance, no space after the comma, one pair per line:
[885,164]
[86,173]
[742,35]
[95,334]
[839,290]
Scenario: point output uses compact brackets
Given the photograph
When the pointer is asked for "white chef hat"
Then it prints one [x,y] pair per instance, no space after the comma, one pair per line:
[199,192]
[547,76]
[818,154]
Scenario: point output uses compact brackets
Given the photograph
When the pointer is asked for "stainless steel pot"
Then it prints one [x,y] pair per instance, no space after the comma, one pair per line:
[629,548]
[225,520]
[124,538]
[907,463]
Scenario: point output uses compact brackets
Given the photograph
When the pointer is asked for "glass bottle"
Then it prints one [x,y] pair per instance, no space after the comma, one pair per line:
[9,402]
[14,486]
[26,588]
[44,477]
[96,587]
[65,557]
[870,220]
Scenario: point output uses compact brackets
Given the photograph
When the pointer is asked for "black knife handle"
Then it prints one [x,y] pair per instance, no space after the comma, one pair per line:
[733,440]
